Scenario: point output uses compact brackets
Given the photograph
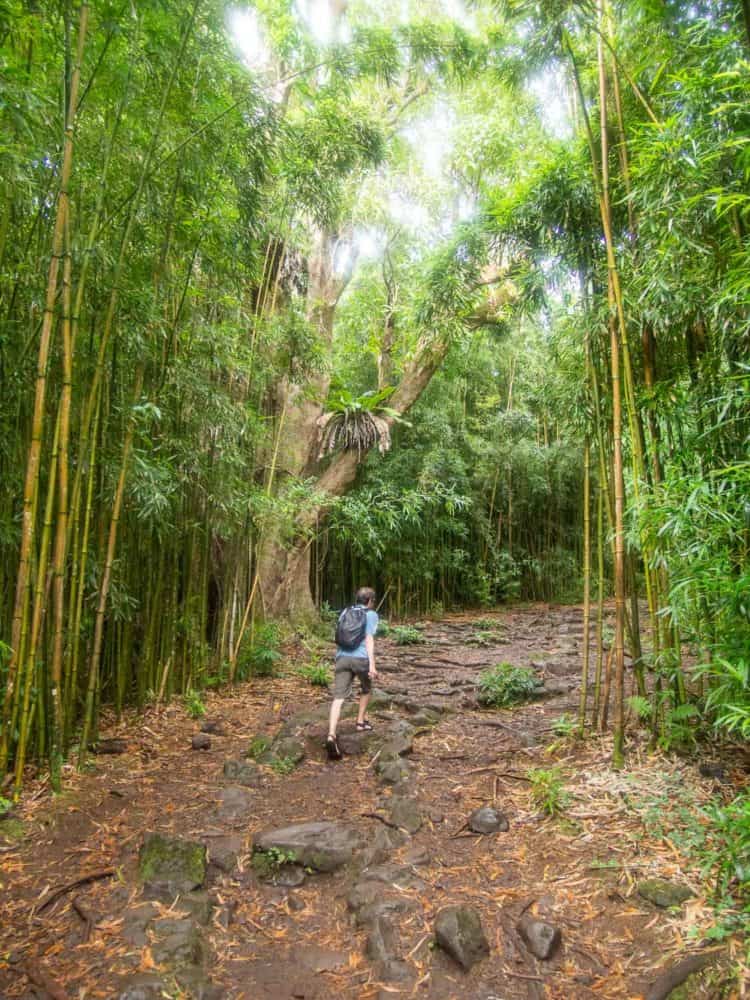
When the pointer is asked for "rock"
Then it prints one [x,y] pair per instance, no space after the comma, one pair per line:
[178,942]
[323,846]
[223,853]
[662,893]
[142,987]
[418,856]
[393,874]
[287,748]
[542,939]
[382,941]
[295,904]
[318,959]
[288,876]
[197,905]
[396,905]
[487,820]
[235,803]
[459,932]
[710,769]
[201,741]
[214,726]
[381,845]
[393,970]
[243,772]
[392,771]
[405,813]
[171,865]
[425,717]
[136,921]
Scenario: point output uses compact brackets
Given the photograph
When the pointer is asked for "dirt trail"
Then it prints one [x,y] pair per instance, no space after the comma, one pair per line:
[259,940]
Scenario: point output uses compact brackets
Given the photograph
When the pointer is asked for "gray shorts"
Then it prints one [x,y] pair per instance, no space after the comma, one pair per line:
[346,668]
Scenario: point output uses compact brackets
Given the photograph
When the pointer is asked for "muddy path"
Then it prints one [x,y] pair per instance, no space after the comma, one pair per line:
[403,796]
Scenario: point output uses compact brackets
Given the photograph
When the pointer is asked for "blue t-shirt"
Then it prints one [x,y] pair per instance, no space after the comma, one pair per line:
[361,651]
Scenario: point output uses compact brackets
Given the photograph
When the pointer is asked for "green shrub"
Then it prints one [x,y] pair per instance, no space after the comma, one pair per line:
[258,746]
[548,791]
[317,674]
[406,635]
[283,765]
[383,628]
[505,684]
[194,704]
[261,654]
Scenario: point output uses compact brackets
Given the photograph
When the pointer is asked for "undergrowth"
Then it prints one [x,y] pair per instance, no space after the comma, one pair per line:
[504,685]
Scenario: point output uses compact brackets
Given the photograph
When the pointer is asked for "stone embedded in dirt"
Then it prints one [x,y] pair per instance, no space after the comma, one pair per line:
[418,856]
[380,846]
[318,959]
[142,986]
[383,940]
[201,741]
[426,717]
[286,748]
[392,771]
[459,932]
[663,893]
[244,772]
[288,876]
[135,923]
[197,905]
[709,769]
[393,874]
[322,846]
[542,939]
[223,852]
[178,941]
[214,726]
[404,811]
[235,804]
[400,905]
[487,820]
[171,865]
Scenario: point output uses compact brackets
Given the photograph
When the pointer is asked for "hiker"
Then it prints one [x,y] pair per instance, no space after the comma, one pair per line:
[355,657]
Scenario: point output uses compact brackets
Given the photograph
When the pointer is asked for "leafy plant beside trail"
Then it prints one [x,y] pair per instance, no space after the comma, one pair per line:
[504,685]
[406,635]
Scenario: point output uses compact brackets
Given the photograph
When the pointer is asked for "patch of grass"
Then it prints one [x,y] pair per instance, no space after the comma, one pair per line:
[259,656]
[194,704]
[548,790]
[485,637]
[383,628]
[267,863]
[406,635]
[258,746]
[283,765]
[317,674]
[504,685]
[490,624]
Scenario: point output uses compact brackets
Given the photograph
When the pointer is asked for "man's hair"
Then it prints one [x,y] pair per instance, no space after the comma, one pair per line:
[365,595]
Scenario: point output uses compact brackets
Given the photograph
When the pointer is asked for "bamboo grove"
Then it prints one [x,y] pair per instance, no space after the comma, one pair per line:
[205,379]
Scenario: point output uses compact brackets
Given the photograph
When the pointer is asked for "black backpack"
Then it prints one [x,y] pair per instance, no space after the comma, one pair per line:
[352,627]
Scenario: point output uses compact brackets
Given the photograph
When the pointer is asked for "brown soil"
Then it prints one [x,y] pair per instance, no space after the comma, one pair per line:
[578,871]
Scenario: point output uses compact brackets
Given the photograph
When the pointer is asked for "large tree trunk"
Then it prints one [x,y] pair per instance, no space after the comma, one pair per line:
[285,569]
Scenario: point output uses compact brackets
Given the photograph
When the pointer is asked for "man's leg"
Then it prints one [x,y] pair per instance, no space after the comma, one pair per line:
[363,701]
[333,721]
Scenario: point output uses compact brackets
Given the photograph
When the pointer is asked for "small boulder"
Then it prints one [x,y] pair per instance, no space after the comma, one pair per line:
[235,804]
[287,748]
[459,932]
[392,771]
[213,726]
[487,820]
[542,939]
[201,741]
[171,865]
[405,813]
[243,772]
[322,846]
[223,853]
[383,941]
[178,942]
[663,893]
[142,986]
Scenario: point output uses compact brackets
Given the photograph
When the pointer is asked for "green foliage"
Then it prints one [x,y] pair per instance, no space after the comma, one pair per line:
[194,704]
[725,859]
[548,790]
[383,628]
[261,654]
[267,863]
[564,726]
[504,685]
[283,765]
[258,746]
[406,635]
[318,674]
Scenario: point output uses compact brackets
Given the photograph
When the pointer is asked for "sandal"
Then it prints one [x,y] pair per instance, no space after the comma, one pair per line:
[332,749]
[364,727]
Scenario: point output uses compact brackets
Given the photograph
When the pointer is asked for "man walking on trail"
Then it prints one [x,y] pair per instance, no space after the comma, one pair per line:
[355,657]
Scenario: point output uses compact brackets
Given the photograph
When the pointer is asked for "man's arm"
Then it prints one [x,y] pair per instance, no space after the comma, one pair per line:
[370,647]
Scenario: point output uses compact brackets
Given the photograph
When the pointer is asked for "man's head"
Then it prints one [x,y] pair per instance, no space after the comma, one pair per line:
[365,597]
